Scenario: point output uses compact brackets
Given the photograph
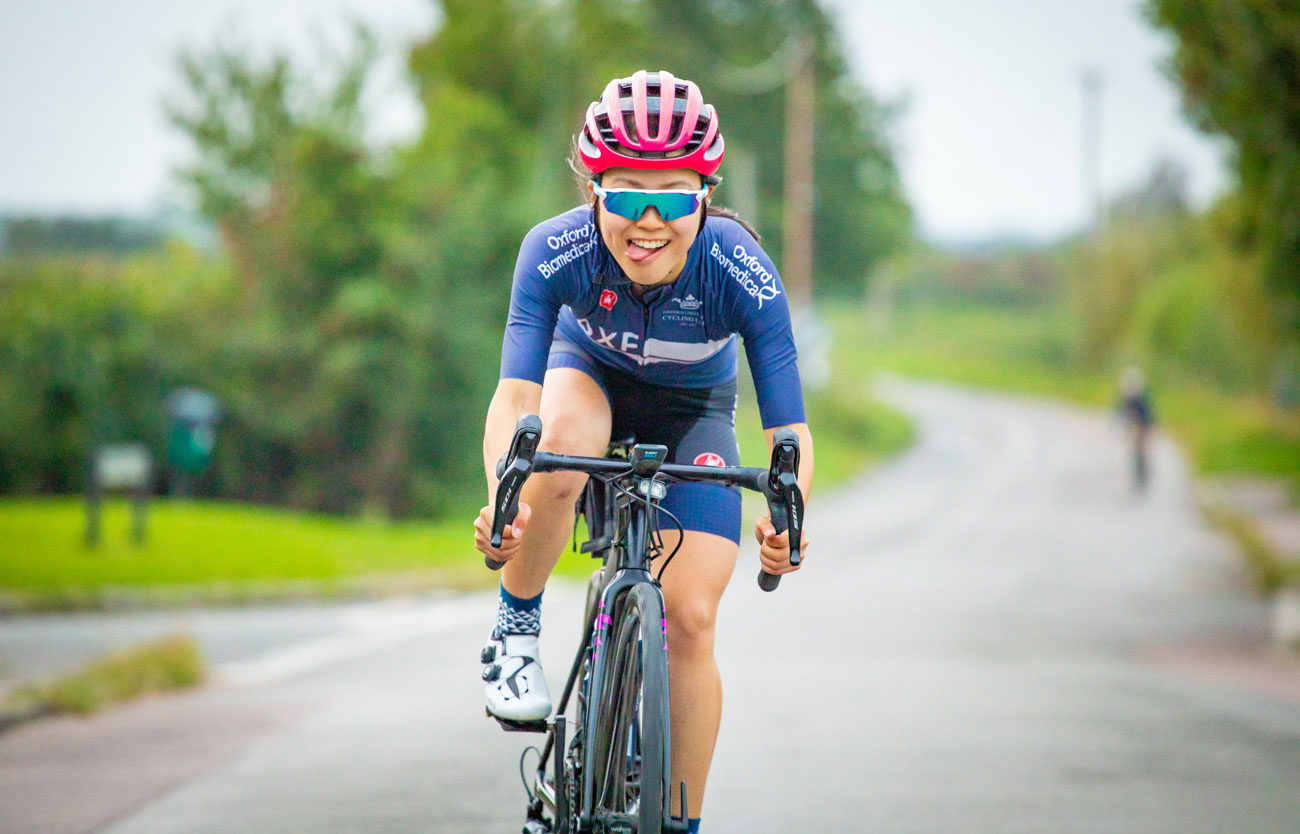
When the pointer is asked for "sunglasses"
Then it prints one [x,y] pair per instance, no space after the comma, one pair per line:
[632,202]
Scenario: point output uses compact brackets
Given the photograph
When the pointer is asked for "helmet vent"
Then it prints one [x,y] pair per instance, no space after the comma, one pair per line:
[638,132]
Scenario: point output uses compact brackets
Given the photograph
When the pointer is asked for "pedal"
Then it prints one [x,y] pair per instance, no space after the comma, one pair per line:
[511,726]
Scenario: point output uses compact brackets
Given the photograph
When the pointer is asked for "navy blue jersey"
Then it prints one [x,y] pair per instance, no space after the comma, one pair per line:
[684,334]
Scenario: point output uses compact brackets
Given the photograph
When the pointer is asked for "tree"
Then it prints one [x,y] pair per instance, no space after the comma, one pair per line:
[316,346]
[1163,194]
[492,49]
[1239,65]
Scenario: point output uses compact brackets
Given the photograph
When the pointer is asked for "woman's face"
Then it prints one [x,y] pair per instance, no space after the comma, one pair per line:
[650,250]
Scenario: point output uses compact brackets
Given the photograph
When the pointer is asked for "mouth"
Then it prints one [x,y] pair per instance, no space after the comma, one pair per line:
[642,250]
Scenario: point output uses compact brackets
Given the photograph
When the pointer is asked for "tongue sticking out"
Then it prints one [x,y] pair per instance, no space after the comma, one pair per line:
[639,253]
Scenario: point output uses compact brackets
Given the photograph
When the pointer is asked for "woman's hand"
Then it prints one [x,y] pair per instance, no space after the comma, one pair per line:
[510,536]
[774,549]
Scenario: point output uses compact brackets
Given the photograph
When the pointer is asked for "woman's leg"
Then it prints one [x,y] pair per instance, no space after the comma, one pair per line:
[693,585]
[575,421]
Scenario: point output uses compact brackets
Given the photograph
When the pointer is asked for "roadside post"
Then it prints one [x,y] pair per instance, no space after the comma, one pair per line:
[191,436]
[124,467]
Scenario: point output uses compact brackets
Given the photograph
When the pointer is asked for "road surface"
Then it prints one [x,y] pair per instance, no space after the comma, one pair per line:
[993,634]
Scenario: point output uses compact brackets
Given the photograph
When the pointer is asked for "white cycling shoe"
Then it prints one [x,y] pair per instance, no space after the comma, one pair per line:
[515,685]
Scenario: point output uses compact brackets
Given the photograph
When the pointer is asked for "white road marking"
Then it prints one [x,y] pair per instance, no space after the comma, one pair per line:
[368,627]
[372,626]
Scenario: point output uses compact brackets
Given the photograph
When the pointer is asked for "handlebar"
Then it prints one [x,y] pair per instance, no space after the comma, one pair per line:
[778,483]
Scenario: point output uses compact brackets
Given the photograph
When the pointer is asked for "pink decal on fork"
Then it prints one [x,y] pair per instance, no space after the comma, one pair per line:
[602,620]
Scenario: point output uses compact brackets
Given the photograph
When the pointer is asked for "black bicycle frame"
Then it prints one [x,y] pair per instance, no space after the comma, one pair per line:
[629,556]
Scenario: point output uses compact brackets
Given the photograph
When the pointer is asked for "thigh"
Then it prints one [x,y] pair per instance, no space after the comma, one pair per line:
[575,413]
[694,582]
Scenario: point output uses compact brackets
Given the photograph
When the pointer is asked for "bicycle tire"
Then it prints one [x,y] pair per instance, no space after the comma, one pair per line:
[632,734]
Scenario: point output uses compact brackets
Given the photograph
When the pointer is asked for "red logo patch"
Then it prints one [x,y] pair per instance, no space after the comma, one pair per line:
[607,299]
[709,459]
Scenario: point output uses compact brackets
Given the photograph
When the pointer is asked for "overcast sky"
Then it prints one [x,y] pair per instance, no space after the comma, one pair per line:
[990,140]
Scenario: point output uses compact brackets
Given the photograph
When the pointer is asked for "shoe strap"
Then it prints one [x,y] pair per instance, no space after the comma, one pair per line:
[520,645]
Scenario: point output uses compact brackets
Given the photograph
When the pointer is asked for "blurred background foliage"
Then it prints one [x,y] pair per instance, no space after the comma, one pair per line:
[1238,62]
[1162,287]
[350,318]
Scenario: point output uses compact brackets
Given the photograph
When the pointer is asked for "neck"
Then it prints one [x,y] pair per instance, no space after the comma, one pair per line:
[639,290]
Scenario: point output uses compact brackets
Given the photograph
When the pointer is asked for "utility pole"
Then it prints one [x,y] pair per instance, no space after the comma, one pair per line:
[1091,149]
[798,225]
[792,67]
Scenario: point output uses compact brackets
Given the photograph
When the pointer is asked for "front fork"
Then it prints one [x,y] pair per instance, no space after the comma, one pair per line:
[602,601]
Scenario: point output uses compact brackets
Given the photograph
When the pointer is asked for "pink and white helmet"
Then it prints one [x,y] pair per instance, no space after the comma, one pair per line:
[651,120]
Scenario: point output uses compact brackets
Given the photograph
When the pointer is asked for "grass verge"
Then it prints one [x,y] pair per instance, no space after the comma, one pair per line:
[217,552]
[168,664]
[1267,569]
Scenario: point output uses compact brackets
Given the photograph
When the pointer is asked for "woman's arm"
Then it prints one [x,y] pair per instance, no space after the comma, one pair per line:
[513,399]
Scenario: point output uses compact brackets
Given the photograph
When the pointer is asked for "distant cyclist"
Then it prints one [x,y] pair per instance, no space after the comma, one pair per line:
[1134,406]
[625,319]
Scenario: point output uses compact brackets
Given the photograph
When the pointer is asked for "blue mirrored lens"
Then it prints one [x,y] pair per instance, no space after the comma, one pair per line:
[669,204]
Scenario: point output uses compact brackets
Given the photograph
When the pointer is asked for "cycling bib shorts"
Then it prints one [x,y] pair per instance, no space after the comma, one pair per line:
[698,425]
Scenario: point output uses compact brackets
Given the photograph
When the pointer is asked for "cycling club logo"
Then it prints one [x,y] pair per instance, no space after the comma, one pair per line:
[709,459]
[607,299]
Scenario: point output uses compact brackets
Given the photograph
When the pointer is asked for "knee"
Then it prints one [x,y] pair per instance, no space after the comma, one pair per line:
[558,487]
[690,630]
[562,486]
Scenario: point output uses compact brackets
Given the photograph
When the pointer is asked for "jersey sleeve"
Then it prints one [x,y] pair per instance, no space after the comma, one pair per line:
[535,303]
[761,315]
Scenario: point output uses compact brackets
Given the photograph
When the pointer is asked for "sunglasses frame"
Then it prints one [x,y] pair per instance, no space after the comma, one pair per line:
[700,196]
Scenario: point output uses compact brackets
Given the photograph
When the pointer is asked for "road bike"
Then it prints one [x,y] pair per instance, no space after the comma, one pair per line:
[607,770]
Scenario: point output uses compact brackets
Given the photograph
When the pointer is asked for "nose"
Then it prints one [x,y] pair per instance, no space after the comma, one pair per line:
[650,219]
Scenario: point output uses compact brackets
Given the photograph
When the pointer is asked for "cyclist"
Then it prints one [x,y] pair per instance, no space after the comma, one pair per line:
[1134,406]
[624,319]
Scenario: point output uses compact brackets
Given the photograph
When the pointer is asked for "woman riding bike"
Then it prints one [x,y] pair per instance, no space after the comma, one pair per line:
[624,318]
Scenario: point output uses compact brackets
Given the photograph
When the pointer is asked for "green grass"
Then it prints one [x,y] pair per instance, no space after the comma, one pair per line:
[168,664]
[217,551]
[1010,350]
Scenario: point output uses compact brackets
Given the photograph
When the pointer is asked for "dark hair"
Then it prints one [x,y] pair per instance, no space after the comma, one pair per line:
[584,177]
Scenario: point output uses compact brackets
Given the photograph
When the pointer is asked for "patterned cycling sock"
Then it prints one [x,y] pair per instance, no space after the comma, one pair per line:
[519,616]
[693,825]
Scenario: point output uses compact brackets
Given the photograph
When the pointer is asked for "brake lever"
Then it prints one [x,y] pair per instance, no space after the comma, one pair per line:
[784,499]
[518,466]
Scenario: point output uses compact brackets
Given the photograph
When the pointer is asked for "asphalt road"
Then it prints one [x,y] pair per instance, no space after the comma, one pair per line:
[993,634]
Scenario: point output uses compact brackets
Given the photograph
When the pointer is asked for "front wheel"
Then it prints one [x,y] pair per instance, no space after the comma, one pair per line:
[633,755]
